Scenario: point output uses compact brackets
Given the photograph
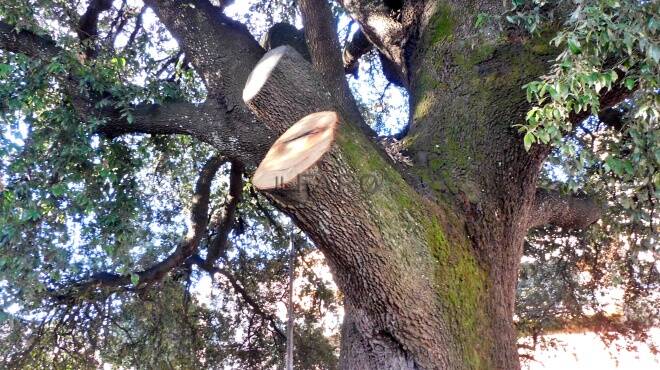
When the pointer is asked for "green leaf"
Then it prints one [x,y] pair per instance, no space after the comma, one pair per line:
[135,279]
[613,76]
[628,167]
[481,20]
[119,62]
[529,139]
[58,189]
[544,136]
[574,46]
[630,83]
[32,215]
[55,67]
[5,69]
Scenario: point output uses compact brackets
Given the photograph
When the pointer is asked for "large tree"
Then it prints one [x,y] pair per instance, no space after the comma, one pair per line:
[106,123]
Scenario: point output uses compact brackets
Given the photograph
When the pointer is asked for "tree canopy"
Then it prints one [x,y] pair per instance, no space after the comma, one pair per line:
[117,203]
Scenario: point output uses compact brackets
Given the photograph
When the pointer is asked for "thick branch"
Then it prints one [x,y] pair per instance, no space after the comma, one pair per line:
[208,122]
[171,118]
[26,42]
[222,50]
[198,223]
[572,212]
[232,133]
[322,41]
[326,55]
[387,29]
[612,117]
[88,24]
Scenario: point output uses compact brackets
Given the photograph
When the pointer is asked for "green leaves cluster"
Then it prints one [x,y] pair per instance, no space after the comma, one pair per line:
[605,45]
[609,50]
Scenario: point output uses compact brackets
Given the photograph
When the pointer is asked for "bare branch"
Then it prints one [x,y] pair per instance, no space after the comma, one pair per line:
[356,48]
[138,27]
[226,223]
[238,287]
[572,212]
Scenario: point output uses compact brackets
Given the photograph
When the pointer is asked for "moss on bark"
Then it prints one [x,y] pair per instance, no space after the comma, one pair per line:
[461,287]
[409,223]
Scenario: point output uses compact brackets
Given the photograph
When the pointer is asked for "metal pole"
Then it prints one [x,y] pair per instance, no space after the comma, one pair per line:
[289,326]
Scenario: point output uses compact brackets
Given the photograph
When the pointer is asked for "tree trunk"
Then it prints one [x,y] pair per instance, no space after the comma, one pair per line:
[429,281]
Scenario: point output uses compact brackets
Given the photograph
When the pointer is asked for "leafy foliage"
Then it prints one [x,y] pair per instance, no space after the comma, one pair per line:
[606,49]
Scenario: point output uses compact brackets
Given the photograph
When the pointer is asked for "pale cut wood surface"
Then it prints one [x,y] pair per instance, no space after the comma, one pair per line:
[299,148]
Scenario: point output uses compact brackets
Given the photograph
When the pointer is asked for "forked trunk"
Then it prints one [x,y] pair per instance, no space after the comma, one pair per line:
[428,272]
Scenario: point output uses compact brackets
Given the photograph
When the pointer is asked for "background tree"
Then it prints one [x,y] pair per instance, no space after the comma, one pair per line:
[118,116]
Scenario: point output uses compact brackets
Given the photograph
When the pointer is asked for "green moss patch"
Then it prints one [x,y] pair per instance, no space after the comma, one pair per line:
[461,285]
[441,24]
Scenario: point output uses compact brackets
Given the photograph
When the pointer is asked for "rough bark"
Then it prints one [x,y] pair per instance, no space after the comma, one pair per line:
[465,96]
[382,244]
[285,34]
[571,212]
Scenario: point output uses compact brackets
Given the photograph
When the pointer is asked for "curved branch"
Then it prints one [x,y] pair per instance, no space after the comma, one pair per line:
[198,221]
[356,48]
[571,212]
[238,287]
